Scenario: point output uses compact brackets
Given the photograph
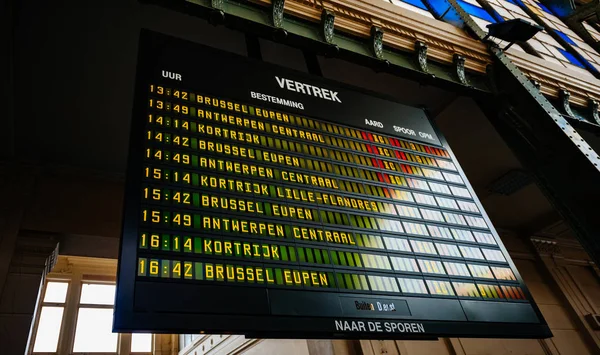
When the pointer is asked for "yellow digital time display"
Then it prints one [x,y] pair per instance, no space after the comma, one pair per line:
[244,211]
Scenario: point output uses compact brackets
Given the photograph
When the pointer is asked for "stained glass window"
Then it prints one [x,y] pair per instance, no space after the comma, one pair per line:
[413,5]
[593,32]
[566,34]
[542,42]
[478,14]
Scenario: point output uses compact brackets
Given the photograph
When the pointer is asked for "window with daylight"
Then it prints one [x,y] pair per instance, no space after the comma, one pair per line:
[479,15]
[542,42]
[472,7]
[94,320]
[51,317]
[76,318]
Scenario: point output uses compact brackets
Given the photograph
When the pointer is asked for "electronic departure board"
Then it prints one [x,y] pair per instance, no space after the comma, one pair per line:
[271,203]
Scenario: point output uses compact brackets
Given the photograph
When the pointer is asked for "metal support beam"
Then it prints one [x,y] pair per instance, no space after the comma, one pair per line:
[377,42]
[277,13]
[564,166]
[328,23]
[459,67]
[575,19]
[421,52]
[593,110]
[563,96]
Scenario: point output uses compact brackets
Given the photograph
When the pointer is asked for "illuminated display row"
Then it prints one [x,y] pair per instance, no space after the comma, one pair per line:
[270,159]
[193,179]
[217,148]
[282,190]
[259,178]
[308,215]
[213,117]
[380,174]
[242,109]
[268,207]
[231,225]
[342,258]
[297,150]
[325,155]
[339,236]
[293,134]
[308,278]
[217,118]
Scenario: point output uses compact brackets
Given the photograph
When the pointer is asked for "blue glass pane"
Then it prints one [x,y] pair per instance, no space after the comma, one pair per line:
[544,8]
[441,7]
[565,37]
[571,58]
[476,11]
[497,16]
[416,3]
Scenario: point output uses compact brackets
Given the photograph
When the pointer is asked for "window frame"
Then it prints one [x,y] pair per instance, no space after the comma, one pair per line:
[40,305]
[75,278]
